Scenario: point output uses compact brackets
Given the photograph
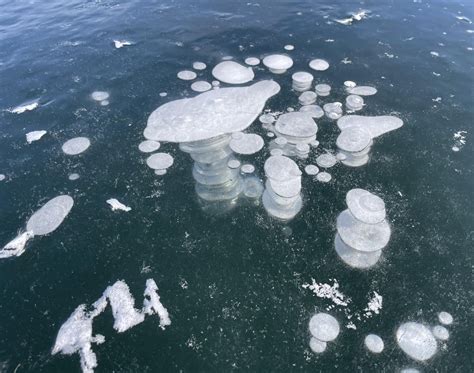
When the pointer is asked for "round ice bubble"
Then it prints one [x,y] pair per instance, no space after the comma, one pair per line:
[324,327]
[232,73]
[199,65]
[100,95]
[374,343]
[187,75]
[318,64]
[148,146]
[201,86]
[160,161]
[252,61]
[323,177]
[445,318]
[441,333]
[416,340]
[76,145]
[311,169]
[50,216]
[317,346]
[326,160]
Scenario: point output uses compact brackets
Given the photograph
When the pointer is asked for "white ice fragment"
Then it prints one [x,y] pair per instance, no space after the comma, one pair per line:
[324,327]
[149,146]
[100,95]
[319,64]
[20,109]
[416,340]
[2,177]
[317,346]
[374,343]
[445,318]
[331,292]
[278,63]
[152,304]
[186,75]
[374,305]
[35,136]
[232,73]
[160,161]
[117,205]
[464,19]
[16,247]
[75,336]
[209,114]
[122,43]
[76,145]
[50,216]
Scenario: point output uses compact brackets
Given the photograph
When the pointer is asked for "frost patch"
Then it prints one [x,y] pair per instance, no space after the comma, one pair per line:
[328,291]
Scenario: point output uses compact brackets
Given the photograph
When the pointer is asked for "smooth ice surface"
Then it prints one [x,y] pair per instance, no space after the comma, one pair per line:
[319,64]
[374,343]
[362,236]
[326,160]
[363,90]
[324,327]
[115,204]
[232,73]
[247,144]
[375,126]
[201,86]
[209,114]
[441,333]
[149,146]
[353,139]
[317,346]
[445,318]
[252,61]
[323,177]
[100,95]
[160,161]
[296,125]
[365,206]
[35,136]
[311,169]
[75,336]
[281,168]
[416,340]
[50,216]
[76,145]
[152,304]
[355,258]
[186,75]
[278,63]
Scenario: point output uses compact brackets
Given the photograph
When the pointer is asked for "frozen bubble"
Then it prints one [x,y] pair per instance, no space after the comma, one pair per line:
[333,110]
[287,189]
[290,109]
[374,343]
[199,65]
[280,168]
[100,95]
[311,169]
[363,90]
[201,86]
[307,98]
[354,102]
[50,216]
[266,119]
[237,135]
[209,114]
[314,110]
[187,75]
[252,187]
[361,236]
[441,333]
[341,157]
[285,212]
[115,204]
[317,346]
[34,136]
[163,94]
[276,152]
[159,161]
[270,134]
[365,206]
[318,64]
[302,77]
[248,168]
[104,103]
[149,146]
[323,89]
[73,176]
[252,61]
[323,177]
[76,145]
[302,148]
[314,143]
[233,163]
[296,126]
[278,63]
[354,258]
[375,126]
[160,172]
[324,327]
[353,139]
[248,144]
[232,73]
[326,160]
[289,47]
[215,83]
[416,340]
[445,318]
[349,84]
[409,370]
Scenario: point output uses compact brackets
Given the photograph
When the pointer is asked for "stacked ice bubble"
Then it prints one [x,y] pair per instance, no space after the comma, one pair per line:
[302,81]
[324,328]
[278,63]
[282,195]
[362,229]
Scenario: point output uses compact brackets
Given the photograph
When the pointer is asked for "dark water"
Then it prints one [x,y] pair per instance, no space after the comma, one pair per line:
[243,308]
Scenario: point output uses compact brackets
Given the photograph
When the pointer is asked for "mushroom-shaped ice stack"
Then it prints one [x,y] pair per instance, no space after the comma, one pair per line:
[278,63]
[232,73]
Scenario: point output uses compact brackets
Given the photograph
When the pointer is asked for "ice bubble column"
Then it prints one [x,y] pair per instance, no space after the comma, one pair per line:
[215,180]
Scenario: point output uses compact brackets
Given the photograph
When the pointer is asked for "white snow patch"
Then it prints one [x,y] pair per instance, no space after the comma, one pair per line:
[117,205]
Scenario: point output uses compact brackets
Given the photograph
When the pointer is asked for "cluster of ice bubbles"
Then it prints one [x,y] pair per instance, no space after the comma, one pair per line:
[101,97]
[75,335]
[362,230]
[324,328]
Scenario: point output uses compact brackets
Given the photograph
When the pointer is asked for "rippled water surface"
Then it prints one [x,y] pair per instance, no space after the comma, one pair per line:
[232,282]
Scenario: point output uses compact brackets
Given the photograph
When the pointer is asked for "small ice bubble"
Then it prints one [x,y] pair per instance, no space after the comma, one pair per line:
[317,346]
[323,177]
[117,205]
[233,164]
[247,144]
[100,95]
[2,177]
[311,169]
[73,176]
[186,75]
[160,161]
[104,103]
[324,327]
[278,63]
[416,340]
[326,160]
[201,86]
[199,66]
[319,65]
[252,61]
[374,343]
[289,47]
[163,94]
[434,54]
[247,168]
[232,73]
[149,146]
[160,172]
[441,333]
[35,136]
[445,318]
[76,145]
